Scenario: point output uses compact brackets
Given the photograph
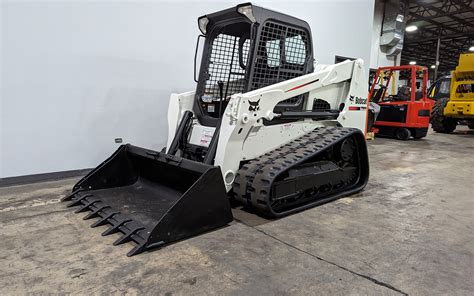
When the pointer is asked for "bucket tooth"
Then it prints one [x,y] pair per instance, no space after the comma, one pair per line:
[127,237]
[68,197]
[104,220]
[115,228]
[136,250]
[95,213]
[78,201]
[86,206]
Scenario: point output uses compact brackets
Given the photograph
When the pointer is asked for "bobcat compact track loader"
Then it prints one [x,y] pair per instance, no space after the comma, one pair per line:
[265,127]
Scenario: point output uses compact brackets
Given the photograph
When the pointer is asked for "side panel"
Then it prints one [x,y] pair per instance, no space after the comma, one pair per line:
[409,114]
[356,104]
[393,113]
[177,105]
[419,114]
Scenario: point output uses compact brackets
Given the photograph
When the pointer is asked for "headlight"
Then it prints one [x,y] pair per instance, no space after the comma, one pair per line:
[247,11]
[203,21]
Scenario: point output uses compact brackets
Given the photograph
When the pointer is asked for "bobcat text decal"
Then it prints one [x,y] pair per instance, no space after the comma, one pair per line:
[358,100]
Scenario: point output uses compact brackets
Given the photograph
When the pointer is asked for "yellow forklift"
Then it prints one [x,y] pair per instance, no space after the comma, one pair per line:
[458,106]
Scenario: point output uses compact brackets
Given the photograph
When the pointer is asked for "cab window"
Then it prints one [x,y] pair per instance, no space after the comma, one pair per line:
[440,89]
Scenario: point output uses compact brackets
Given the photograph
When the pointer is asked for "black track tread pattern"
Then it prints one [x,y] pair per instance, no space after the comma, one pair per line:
[253,182]
[439,122]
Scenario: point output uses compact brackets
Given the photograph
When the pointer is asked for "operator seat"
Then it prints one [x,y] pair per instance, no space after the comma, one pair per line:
[403,94]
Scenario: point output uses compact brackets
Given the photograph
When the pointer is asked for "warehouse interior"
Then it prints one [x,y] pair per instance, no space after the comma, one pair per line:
[329,154]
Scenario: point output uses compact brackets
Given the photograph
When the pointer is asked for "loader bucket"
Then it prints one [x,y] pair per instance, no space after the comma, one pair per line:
[152,198]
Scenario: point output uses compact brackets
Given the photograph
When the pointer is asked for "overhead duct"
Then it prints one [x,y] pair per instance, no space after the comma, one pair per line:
[393,28]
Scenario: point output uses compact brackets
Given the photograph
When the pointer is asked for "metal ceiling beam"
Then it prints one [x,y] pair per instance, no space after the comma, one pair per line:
[451,21]
[438,24]
[429,49]
[450,15]
[469,34]
[463,4]
[444,14]
[429,33]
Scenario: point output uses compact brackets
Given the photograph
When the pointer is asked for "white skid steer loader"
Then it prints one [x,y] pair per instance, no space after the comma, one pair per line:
[265,126]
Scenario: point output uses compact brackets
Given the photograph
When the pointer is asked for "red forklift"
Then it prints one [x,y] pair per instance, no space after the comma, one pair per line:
[404,109]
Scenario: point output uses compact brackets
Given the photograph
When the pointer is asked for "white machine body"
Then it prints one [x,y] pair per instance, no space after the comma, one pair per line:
[243,134]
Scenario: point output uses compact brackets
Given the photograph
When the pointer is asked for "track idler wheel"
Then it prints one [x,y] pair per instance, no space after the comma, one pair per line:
[347,149]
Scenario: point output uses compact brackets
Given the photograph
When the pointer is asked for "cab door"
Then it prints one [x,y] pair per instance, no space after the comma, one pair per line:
[440,89]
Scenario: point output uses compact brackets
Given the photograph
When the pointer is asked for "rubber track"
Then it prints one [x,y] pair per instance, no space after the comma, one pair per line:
[254,180]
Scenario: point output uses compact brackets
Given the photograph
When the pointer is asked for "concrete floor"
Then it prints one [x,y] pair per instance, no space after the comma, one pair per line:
[409,232]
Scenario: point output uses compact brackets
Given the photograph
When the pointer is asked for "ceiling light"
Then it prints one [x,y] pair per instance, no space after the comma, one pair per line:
[433,66]
[471,48]
[411,28]
[412,63]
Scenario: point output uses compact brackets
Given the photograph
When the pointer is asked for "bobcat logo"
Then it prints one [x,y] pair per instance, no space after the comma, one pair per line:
[358,100]
[254,106]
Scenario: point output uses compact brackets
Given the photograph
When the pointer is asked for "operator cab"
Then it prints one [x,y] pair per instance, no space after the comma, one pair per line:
[246,48]
[440,88]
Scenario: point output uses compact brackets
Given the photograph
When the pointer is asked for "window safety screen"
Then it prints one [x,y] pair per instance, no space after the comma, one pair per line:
[281,55]
[227,66]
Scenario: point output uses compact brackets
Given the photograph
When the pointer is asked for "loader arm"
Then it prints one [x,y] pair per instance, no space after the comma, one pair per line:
[242,132]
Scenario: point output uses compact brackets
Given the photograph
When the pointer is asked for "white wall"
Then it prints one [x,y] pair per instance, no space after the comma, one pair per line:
[78,74]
